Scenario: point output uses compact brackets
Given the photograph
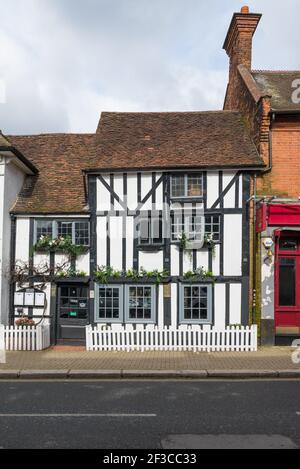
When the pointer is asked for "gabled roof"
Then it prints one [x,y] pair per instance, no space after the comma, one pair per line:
[59,186]
[215,139]
[278,85]
[6,147]
[127,141]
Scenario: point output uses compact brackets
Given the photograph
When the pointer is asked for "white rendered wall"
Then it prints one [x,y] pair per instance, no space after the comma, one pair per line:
[12,179]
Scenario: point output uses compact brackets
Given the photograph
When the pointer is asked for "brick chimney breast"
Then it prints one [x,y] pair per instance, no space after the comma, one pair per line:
[245,10]
[238,46]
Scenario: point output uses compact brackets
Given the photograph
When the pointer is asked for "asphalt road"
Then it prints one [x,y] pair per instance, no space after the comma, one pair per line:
[150,415]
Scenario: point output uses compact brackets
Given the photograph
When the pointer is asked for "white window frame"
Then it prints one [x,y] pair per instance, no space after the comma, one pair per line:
[185,224]
[186,178]
[129,320]
[151,239]
[182,319]
[120,319]
[55,228]
[211,224]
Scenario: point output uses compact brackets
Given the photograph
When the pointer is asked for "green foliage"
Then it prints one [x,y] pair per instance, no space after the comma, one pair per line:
[71,273]
[103,274]
[209,242]
[183,240]
[199,273]
[60,244]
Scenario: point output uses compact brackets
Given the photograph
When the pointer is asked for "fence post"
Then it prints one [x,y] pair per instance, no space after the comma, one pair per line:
[2,337]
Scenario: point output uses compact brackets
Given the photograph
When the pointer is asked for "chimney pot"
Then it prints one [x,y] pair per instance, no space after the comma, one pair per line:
[245,10]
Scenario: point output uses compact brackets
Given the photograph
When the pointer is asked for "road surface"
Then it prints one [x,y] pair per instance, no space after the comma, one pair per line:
[149,414]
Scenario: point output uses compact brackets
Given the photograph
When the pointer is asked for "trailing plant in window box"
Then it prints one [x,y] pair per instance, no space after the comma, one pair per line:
[103,274]
[199,273]
[183,241]
[156,274]
[60,244]
[72,273]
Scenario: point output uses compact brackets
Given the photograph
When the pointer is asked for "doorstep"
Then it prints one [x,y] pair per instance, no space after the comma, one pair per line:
[68,348]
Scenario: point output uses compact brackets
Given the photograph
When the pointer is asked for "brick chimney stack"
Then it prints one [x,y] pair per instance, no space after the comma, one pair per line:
[238,45]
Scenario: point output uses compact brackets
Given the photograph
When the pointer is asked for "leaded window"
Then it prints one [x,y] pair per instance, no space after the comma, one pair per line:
[196,304]
[187,185]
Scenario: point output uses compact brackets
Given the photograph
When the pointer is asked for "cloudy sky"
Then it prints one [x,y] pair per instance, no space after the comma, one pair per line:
[62,62]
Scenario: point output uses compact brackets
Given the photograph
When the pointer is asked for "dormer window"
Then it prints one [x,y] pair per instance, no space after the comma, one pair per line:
[187,185]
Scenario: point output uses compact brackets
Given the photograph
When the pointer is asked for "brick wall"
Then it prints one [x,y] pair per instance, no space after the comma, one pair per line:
[284,179]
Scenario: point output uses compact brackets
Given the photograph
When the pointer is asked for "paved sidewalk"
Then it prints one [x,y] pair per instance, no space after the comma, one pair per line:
[272,359]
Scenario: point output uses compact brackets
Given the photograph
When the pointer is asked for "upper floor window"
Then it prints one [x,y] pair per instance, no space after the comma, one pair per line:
[191,225]
[44,228]
[187,185]
[195,227]
[76,230]
[212,227]
[150,230]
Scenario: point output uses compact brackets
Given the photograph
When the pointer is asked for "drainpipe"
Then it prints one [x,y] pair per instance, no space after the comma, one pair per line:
[254,249]
[267,170]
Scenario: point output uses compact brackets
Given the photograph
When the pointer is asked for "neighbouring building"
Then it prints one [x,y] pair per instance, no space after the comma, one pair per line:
[13,170]
[270,104]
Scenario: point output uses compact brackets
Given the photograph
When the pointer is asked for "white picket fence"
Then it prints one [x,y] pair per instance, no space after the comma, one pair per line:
[183,338]
[16,338]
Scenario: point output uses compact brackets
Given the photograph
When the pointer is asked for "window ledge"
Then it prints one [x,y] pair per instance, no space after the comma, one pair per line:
[197,280]
[195,323]
[152,247]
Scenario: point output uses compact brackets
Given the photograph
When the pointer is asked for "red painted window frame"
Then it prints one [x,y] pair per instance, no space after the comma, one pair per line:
[287,254]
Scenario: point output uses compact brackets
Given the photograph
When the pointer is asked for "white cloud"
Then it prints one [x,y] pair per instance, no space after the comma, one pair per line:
[65,61]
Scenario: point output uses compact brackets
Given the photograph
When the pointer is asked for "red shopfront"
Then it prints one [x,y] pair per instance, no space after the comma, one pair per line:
[285,218]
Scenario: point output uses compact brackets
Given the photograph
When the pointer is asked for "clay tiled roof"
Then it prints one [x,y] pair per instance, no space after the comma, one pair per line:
[278,85]
[128,141]
[59,158]
[173,140]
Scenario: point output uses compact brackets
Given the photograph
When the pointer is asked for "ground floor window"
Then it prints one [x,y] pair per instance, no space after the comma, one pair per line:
[140,303]
[125,303]
[196,304]
[109,303]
